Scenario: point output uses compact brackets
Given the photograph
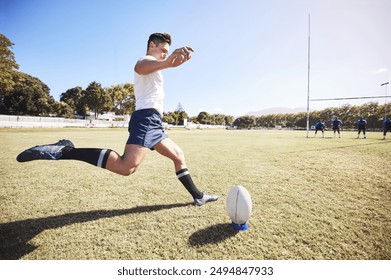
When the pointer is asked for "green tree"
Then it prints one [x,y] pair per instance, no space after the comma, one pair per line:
[74,98]
[203,118]
[193,120]
[181,116]
[168,118]
[176,117]
[62,109]
[244,122]
[29,96]
[229,120]
[7,65]
[124,101]
[300,120]
[219,119]
[97,99]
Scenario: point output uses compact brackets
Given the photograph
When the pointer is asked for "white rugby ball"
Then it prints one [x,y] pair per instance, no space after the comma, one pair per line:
[239,205]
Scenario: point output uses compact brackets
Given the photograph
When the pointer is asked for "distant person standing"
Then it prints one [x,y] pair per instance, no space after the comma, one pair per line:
[362,124]
[336,124]
[386,127]
[319,126]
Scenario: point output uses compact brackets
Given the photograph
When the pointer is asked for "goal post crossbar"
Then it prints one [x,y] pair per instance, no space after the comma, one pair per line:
[348,98]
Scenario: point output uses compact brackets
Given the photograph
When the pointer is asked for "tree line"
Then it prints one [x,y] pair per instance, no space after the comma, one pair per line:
[23,94]
[349,114]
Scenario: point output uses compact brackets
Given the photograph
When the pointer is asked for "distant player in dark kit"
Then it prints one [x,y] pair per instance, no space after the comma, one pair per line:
[386,127]
[319,126]
[145,126]
[362,124]
[336,124]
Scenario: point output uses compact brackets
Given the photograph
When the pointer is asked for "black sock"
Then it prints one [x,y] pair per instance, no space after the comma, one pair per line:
[184,176]
[97,157]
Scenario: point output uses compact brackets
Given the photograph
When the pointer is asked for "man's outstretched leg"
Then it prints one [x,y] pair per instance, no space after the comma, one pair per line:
[112,161]
[104,158]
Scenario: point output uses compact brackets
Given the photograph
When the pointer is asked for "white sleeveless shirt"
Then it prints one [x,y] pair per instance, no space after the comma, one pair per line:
[148,89]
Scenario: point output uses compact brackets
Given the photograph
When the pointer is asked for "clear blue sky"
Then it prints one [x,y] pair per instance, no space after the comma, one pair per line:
[249,54]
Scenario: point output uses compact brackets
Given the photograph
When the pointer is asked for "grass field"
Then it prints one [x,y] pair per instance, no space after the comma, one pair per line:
[312,198]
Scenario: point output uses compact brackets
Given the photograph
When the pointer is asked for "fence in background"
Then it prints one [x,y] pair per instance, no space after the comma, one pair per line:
[49,122]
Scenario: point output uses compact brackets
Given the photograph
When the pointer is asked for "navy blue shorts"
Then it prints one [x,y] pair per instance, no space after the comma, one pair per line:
[145,128]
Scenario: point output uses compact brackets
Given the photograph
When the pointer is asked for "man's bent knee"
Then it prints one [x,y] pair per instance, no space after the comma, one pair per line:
[124,170]
[128,171]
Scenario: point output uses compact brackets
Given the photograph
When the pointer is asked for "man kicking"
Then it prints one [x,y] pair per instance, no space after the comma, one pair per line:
[145,126]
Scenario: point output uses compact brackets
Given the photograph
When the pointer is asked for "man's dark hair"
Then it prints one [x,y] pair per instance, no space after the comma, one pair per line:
[158,38]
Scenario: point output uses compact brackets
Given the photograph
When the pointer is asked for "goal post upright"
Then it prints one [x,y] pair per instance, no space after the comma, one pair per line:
[308,75]
[385,99]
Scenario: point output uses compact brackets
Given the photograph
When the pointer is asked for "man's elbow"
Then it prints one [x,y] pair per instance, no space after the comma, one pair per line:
[138,69]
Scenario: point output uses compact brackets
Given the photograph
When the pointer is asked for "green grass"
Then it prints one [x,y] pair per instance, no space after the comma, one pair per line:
[312,198]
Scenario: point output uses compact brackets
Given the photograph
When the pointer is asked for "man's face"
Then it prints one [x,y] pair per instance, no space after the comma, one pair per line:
[160,52]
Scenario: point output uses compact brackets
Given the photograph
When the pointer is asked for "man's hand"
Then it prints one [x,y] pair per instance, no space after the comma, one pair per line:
[179,56]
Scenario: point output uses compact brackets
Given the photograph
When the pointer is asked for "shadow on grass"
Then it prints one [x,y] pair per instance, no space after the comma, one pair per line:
[213,234]
[15,236]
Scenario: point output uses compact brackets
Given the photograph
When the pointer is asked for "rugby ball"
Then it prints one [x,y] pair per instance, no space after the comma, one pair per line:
[239,205]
